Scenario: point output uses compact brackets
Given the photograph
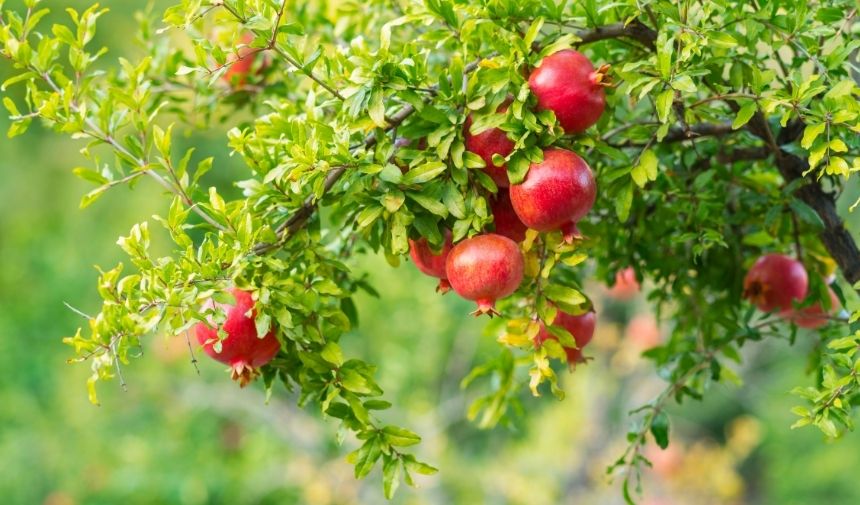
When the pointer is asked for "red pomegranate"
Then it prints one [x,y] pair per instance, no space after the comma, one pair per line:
[241,62]
[814,316]
[242,349]
[581,327]
[430,262]
[626,286]
[643,332]
[488,143]
[774,281]
[505,219]
[567,84]
[485,268]
[557,191]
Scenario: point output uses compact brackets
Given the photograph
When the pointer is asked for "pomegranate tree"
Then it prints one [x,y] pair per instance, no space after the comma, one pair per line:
[240,63]
[485,268]
[774,282]
[567,84]
[243,349]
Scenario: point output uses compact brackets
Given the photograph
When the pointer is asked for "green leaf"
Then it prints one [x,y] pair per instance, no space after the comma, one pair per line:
[806,214]
[563,294]
[646,170]
[424,172]
[331,353]
[392,470]
[623,201]
[660,429]
[434,206]
[744,115]
[400,437]
[810,133]
[664,104]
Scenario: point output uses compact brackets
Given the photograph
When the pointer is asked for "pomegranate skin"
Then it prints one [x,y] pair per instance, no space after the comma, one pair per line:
[486,144]
[243,350]
[505,219]
[430,263]
[485,268]
[567,84]
[774,282]
[556,191]
[581,327]
[814,316]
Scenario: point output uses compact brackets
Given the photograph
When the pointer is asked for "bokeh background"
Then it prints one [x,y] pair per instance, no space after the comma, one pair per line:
[176,437]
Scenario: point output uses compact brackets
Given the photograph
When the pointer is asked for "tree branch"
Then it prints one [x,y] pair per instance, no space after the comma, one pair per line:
[633,30]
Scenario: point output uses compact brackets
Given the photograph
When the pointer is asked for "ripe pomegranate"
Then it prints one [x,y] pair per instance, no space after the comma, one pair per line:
[567,84]
[774,281]
[242,349]
[241,62]
[557,191]
[626,286]
[814,316]
[488,143]
[432,263]
[505,219]
[485,268]
[581,327]
[643,332]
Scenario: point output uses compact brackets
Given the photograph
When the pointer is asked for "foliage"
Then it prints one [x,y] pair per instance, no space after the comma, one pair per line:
[760,95]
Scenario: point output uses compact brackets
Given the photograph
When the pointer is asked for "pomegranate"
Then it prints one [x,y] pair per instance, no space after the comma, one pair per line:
[241,62]
[567,84]
[626,286]
[432,263]
[488,143]
[505,219]
[485,268]
[242,349]
[814,316]
[774,281]
[557,191]
[643,332]
[581,327]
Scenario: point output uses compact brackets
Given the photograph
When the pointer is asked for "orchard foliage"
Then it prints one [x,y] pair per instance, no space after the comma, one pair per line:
[730,129]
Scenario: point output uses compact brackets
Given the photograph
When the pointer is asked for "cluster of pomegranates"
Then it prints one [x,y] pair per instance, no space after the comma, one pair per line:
[555,194]
[775,282]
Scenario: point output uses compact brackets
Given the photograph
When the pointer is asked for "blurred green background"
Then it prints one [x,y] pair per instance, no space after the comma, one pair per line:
[180,438]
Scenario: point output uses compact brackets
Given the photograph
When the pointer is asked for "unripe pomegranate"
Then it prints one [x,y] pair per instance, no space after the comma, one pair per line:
[626,286]
[814,316]
[567,84]
[432,263]
[488,143]
[505,219]
[485,268]
[581,327]
[774,281]
[557,191]
[242,349]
